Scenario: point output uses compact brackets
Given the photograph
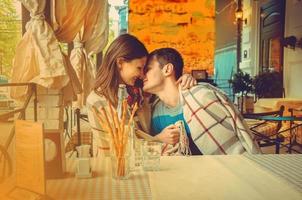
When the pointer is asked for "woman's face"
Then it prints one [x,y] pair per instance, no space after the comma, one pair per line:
[131,70]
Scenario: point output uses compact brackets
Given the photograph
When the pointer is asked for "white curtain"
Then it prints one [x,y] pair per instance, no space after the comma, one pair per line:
[91,39]
[38,56]
[68,17]
[99,38]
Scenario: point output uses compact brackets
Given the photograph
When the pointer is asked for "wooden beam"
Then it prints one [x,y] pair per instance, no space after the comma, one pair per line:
[25,18]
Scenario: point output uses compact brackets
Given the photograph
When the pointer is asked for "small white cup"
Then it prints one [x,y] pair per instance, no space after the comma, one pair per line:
[83,169]
[83,151]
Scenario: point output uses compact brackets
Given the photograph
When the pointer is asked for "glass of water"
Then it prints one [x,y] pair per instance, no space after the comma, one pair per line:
[151,155]
[138,150]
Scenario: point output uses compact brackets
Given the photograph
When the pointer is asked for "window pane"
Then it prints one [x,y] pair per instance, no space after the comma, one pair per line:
[275,54]
[10,34]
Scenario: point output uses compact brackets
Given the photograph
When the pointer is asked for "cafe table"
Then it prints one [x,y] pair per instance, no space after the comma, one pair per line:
[196,177]
[228,177]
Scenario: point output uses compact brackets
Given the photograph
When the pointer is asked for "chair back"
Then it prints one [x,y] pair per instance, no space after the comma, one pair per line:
[277,113]
[295,127]
[266,130]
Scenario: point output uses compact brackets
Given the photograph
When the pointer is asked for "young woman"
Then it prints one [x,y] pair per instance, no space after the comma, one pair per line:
[123,63]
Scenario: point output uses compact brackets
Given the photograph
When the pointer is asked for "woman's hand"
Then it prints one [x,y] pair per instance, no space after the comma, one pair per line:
[169,135]
[186,81]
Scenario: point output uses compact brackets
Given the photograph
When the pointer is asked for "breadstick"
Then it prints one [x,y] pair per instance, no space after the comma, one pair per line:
[115,124]
[112,115]
[123,123]
[110,129]
[103,124]
[133,113]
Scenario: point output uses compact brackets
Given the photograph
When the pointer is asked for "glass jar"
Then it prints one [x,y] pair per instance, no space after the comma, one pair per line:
[151,155]
[120,167]
[120,156]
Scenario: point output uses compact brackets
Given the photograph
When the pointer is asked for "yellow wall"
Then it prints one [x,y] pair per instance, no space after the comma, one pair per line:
[292,58]
[187,25]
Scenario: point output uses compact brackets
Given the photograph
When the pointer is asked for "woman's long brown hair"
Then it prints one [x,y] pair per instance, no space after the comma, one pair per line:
[125,46]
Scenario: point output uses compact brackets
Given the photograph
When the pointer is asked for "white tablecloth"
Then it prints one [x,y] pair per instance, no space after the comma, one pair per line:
[101,185]
[239,177]
[224,177]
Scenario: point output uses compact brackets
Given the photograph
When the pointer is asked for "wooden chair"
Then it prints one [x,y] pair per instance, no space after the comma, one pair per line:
[78,137]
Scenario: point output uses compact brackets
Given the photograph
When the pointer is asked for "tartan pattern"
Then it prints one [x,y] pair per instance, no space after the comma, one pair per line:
[216,125]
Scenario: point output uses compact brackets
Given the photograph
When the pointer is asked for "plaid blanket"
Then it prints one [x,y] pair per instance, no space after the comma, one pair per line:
[215,124]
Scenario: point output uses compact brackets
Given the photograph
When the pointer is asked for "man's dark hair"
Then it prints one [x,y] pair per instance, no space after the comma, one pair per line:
[168,55]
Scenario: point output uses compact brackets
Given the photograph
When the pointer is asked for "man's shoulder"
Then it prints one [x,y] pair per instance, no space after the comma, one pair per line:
[203,92]
[201,87]
[156,103]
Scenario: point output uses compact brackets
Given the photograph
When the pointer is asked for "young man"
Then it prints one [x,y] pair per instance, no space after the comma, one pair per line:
[212,123]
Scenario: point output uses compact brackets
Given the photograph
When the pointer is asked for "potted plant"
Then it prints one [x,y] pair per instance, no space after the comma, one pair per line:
[242,84]
[268,85]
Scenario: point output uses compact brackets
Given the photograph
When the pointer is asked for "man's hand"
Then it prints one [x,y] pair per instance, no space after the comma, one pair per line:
[186,81]
[169,135]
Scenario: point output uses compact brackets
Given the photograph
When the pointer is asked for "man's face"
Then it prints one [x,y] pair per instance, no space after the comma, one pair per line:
[154,77]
